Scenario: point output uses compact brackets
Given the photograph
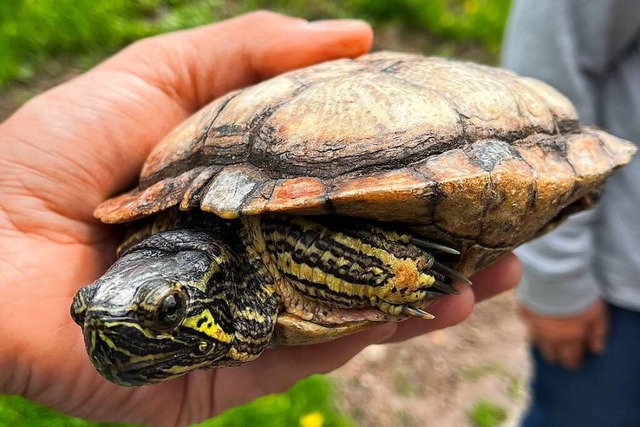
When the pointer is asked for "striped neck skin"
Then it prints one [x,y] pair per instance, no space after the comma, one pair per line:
[178,300]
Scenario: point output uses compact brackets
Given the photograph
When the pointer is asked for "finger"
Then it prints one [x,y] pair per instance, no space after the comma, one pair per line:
[570,355]
[548,352]
[279,369]
[449,311]
[597,335]
[99,127]
[500,276]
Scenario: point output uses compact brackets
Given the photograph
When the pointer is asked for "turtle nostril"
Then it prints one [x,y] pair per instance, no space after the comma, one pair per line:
[80,304]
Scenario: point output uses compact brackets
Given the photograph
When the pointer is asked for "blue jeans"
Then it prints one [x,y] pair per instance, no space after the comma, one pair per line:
[604,392]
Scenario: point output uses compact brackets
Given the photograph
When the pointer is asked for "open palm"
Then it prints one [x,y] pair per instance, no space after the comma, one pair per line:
[73,146]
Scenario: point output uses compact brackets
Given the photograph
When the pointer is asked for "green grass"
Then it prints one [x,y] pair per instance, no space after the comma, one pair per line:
[486,414]
[515,385]
[18,412]
[33,31]
[309,404]
[406,384]
[462,20]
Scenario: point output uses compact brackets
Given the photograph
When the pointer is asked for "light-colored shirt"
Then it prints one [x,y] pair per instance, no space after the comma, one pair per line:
[590,51]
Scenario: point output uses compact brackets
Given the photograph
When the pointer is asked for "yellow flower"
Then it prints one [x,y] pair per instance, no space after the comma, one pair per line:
[312,419]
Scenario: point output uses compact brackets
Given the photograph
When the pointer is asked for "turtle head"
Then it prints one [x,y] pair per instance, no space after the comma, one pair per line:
[164,308]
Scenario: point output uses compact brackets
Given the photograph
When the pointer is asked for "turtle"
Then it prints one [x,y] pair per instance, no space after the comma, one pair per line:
[327,200]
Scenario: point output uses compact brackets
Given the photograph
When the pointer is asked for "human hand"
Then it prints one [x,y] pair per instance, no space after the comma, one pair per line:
[564,340]
[77,144]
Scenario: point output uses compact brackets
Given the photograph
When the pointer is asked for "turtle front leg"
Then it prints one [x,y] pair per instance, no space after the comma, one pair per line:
[346,263]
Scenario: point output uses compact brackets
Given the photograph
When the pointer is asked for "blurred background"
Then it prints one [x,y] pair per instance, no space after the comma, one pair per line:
[470,375]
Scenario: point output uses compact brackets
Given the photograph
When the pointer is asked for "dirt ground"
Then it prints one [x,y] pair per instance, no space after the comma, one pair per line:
[437,379]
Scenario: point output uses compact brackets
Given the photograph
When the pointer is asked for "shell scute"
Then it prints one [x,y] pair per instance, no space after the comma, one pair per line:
[147,201]
[492,103]
[463,187]
[297,193]
[384,196]
[229,137]
[230,188]
[375,120]
[513,192]
[181,148]
[555,178]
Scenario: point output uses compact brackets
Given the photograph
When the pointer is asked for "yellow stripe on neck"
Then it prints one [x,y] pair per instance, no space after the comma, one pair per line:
[206,324]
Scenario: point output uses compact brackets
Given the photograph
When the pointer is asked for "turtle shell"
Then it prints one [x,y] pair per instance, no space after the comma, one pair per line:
[463,153]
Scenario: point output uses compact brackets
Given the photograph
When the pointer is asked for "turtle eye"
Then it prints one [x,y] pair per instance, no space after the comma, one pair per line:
[171,310]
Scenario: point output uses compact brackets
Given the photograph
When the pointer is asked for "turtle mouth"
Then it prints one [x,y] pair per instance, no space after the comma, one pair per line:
[152,361]
[146,370]
[124,355]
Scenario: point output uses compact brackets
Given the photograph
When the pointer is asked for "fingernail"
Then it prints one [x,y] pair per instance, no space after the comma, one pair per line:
[337,24]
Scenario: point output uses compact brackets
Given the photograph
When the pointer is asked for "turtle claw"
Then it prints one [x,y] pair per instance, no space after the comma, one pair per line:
[428,244]
[450,273]
[445,288]
[417,312]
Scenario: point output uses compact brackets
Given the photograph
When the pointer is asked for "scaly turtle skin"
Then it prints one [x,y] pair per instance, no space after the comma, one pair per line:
[328,199]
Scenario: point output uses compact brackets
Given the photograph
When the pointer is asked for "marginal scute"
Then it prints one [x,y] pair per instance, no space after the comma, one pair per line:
[619,151]
[291,195]
[507,218]
[151,200]
[489,153]
[384,196]
[229,190]
[478,257]
[554,176]
[193,194]
[588,158]
[462,187]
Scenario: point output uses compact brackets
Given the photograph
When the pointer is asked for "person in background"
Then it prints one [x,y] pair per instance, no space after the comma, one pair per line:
[580,297]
